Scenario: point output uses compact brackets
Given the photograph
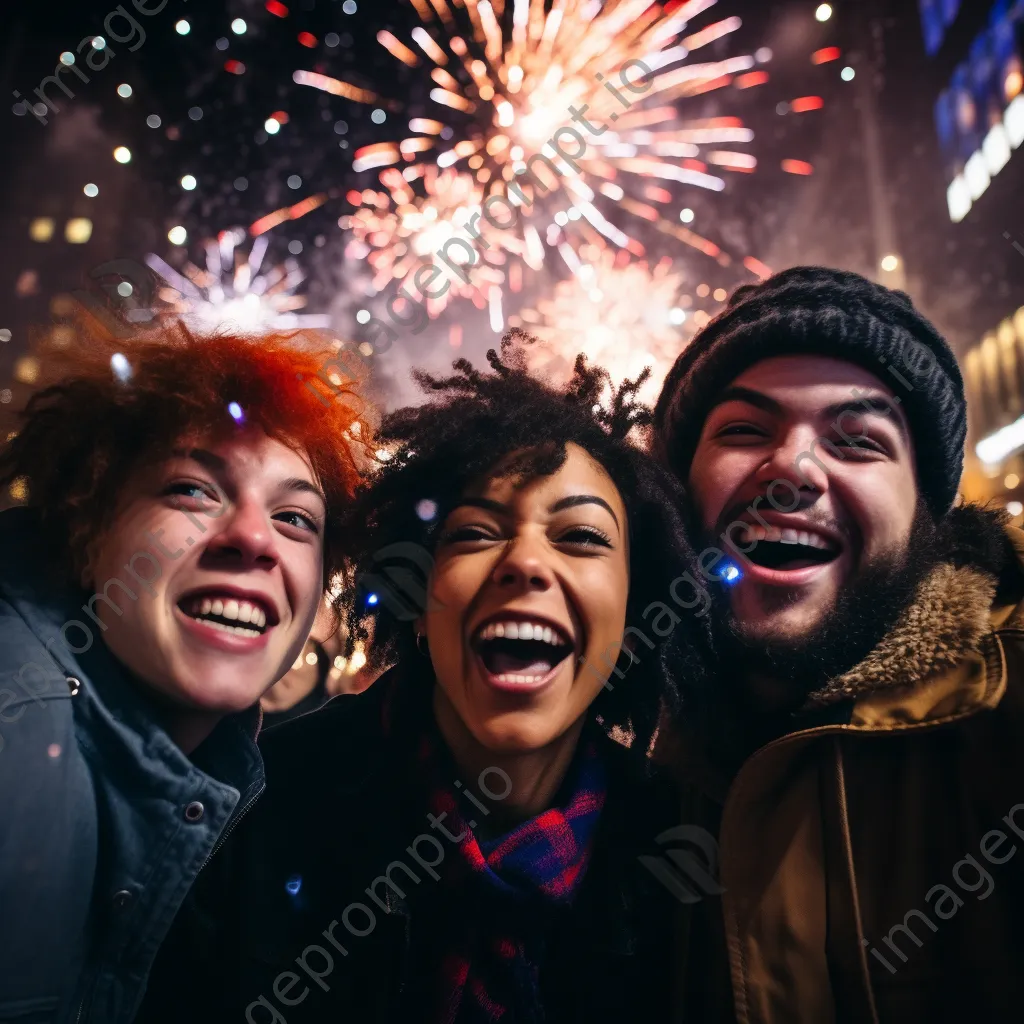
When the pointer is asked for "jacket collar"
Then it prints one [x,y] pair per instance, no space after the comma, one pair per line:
[943,660]
[946,621]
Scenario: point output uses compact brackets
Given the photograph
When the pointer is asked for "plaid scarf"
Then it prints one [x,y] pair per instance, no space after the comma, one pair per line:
[501,895]
[506,891]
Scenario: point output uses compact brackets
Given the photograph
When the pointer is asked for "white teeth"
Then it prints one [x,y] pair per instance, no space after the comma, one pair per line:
[521,631]
[240,630]
[515,677]
[240,611]
[757,532]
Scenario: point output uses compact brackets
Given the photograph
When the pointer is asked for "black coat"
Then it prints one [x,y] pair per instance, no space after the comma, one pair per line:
[265,936]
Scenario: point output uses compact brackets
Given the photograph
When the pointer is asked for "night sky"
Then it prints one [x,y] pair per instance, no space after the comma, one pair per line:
[210,93]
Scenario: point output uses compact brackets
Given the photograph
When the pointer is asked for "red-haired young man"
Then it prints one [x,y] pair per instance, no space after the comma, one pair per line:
[184,495]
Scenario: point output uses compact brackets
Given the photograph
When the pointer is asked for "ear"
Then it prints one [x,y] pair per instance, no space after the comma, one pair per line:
[420,625]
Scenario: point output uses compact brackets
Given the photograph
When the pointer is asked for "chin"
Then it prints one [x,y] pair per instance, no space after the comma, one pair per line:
[227,696]
[512,737]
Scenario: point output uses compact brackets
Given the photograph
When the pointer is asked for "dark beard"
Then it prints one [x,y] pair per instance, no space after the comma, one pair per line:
[865,611]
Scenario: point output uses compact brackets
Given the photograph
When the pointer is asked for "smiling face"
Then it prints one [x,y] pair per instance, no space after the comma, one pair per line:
[805,464]
[225,545]
[526,582]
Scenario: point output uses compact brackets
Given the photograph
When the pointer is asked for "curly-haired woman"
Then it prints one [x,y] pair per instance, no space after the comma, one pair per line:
[184,503]
[463,841]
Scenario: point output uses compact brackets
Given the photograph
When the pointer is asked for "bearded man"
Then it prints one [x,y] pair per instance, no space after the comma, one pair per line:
[860,762]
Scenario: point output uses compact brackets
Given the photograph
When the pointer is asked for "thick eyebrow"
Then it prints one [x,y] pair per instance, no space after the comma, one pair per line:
[216,464]
[563,503]
[304,486]
[751,397]
[871,405]
[584,499]
[212,462]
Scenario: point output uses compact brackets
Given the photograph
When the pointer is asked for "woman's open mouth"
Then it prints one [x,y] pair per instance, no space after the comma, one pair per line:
[521,653]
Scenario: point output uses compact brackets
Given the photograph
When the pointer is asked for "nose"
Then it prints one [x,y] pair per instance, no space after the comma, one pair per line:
[243,536]
[523,566]
[797,467]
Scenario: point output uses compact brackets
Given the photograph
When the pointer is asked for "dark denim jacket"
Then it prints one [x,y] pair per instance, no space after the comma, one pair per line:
[104,822]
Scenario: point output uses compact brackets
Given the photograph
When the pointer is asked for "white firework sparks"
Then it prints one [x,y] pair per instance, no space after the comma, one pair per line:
[625,317]
[233,290]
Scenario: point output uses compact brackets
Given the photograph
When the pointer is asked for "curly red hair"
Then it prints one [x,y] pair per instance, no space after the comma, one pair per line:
[82,439]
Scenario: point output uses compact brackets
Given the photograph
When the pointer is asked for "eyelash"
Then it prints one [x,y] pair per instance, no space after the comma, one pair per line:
[738,429]
[179,486]
[476,533]
[747,429]
[594,535]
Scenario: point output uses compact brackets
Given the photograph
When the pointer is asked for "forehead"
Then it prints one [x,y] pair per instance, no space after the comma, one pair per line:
[580,474]
[807,383]
[249,453]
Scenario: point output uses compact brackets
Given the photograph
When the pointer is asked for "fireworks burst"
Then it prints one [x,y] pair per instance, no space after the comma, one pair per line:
[232,289]
[591,86]
[396,230]
[622,315]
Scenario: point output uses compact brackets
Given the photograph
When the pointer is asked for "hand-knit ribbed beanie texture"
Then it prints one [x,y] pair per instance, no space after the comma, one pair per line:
[823,312]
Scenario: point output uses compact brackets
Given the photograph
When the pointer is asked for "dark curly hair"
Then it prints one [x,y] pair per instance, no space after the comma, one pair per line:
[474,421]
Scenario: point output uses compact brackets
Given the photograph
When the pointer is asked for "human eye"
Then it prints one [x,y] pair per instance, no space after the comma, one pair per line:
[741,430]
[584,537]
[300,520]
[861,442]
[195,491]
[468,533]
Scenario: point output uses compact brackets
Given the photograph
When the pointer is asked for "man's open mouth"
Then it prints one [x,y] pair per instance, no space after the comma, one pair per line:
[521,651]
[230,614]
[787,549]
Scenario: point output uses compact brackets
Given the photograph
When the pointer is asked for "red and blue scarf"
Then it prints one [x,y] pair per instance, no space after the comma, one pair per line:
[505,891]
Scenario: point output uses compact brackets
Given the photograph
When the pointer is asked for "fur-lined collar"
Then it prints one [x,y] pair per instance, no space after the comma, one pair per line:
[947,619]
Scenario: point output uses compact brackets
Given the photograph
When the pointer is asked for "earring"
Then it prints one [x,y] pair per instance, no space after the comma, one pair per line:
[423,648]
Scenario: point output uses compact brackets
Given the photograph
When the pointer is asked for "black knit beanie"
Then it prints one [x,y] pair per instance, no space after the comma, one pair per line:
[814,310]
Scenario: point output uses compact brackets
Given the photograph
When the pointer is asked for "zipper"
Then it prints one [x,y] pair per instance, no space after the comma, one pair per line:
[231,825]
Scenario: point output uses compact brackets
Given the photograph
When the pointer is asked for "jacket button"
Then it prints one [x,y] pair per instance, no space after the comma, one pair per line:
[74,685]
[194,811]
[122,899]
